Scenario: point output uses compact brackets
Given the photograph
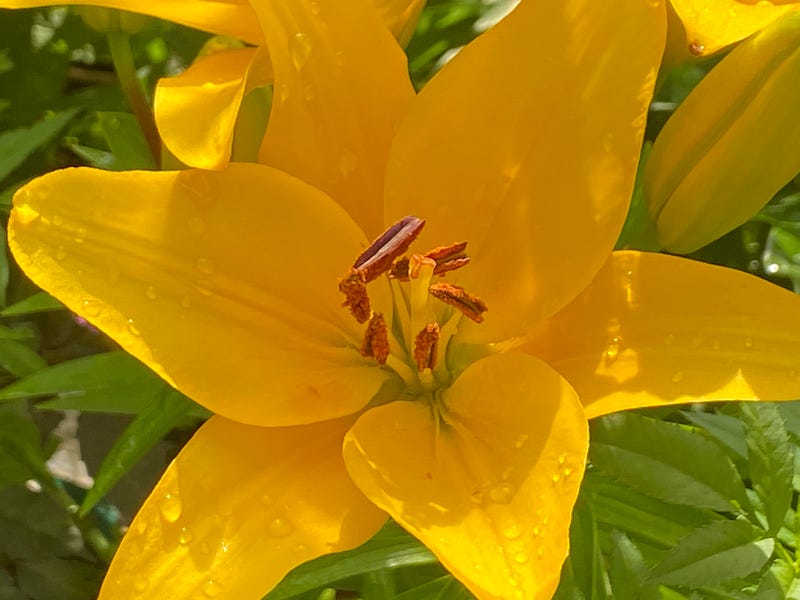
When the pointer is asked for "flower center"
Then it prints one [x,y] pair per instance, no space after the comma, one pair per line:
[425,314]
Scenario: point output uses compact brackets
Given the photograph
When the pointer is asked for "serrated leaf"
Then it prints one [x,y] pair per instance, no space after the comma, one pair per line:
[39,302]
[776,581]
[770,460]
[661,459]
[127,143]
[728,430]
[790,411]
[629,572]
[109,382]
[18,144]
[154,421]
[719,552]
[390,548]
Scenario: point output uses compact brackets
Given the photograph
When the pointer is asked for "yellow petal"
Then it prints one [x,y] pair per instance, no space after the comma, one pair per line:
[654,329]
[238,509]
[341,83]
[223,282]
[731,145]
[196,111]
[526,145]
[225,17]
[400,16]
[714,24]
[489,488]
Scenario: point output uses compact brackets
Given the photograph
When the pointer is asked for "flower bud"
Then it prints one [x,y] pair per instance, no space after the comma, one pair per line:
[732,143]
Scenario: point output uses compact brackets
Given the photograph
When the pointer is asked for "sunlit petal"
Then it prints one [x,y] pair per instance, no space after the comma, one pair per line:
[489,488]
[338,96]
[526,145]
[714,24]
[196,111]
[225,17]
[654,329]
[400,16]
[223,282]
[238,509]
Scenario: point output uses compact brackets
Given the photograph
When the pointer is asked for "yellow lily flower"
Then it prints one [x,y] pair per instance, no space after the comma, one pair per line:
[472,435]
[710,25]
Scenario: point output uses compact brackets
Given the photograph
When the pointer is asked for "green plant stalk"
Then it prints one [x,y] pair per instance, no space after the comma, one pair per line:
[122,57]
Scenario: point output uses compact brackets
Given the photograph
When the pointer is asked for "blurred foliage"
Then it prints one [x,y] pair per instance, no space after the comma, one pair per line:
[652,522]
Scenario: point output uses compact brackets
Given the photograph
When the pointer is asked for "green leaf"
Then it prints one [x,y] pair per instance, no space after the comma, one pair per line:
[790,411]
[108,382]
[585,555]
[661,459]
[726,429]
[722,551]
[62,578]
[19,359]
[18,144]
[21,456]
[126,141]
[153,423]
[776,581]
[443,588]
[39,302]
[390,548]
[629,572]
[567,586]
[99,159]
[770,459]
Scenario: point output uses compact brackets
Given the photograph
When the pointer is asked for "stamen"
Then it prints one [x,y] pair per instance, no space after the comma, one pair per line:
[454,295]
[392,243]
[426,346]
[376,339]
[354,288]
[447,258]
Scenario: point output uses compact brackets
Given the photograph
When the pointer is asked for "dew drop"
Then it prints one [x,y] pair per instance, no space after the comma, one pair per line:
[511,531]
[772,268]
[205,266]
[556,477]
[90,307]
[521,441]
[537,530]
[58,221]
[314,8]
[266,500]
[501,493]
[283,93]
[80,235]
[677,377]
[539,552]
[300,49]
[132,329]
[567,472]
[204,291]
[562,458]
[476,497]
[612,351]
[212,588]
[507,472]
[140,585]
[185,536]
[348,162]
[151,293]
[279,527]
[309,92]
[197,226]
[61,253]
[748,342]
[521,557]
[171,507]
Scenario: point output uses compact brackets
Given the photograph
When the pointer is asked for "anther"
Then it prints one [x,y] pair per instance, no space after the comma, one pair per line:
[454,295]
[354,288]
[447,258]
[392,243]
[426,346]
[376,340]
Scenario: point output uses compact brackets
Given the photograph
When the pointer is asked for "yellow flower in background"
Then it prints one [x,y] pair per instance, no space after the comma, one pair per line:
[731,144]
[467,426]
[705,26]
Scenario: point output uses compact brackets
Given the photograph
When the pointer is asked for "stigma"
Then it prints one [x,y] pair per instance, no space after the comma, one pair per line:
[425,314]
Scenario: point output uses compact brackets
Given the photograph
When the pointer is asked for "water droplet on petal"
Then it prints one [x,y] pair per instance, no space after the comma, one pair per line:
[567,472]
[348,162]
[132,329]
[57,220]
[309,92]
[511,531]
[300,49]
[521,557]
[556,477]
[61,253]
[279,527]
[562,458]
[748,342]
[476,497]
[212,588]
[141,584]
[204,291]
[205,266]
[185,536]
[501,493]
[314,8]
[170,507]
[80,235]
[151,293]
[612,351]
[521,441]
[677,377]
[283,92]
[266,499]
[91,307]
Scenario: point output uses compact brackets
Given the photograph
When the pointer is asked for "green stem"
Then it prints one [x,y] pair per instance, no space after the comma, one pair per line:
[121,55]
